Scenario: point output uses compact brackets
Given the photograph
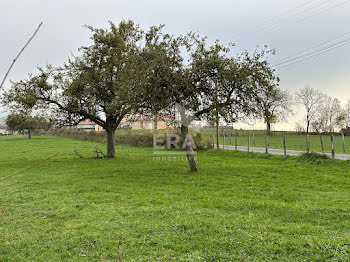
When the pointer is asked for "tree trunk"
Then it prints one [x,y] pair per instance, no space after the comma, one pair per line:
[155,122]
[29,134]
[217,132]
[268,127]
[111,143]
[189,150]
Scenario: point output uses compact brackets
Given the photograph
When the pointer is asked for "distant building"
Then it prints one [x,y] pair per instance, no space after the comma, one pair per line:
[88,125]
[146,123]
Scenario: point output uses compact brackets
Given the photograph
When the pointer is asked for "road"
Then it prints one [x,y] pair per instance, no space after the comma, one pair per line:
[276,151]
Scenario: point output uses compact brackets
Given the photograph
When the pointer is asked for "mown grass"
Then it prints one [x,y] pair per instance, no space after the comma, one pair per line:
[240,207]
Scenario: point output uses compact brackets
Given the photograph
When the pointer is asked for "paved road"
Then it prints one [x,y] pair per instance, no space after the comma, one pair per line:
[280,151]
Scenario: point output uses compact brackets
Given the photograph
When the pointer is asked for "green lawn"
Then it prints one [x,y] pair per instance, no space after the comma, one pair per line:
[240,207]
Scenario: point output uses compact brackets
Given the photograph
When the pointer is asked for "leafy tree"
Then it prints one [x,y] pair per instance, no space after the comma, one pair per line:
[102,84]
[212,82]
[22,123]
[273,103]
[159,62]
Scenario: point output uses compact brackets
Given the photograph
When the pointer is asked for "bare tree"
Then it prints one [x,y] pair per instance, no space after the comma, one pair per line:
[299,127]
[311,99]
[329,115]
[347,114]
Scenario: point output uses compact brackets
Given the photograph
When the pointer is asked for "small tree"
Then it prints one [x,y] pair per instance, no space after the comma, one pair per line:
[273,104]
[20,122]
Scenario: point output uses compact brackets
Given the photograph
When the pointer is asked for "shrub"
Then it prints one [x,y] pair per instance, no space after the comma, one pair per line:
[131,138]
[313,157]
[201,141]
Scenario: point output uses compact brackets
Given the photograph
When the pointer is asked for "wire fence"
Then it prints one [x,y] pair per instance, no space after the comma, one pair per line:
[336,143]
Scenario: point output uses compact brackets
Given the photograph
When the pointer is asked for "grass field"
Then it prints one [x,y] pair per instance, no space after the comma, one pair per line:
[239,207]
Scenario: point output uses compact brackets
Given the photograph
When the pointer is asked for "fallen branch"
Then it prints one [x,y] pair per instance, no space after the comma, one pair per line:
[98,154]
[19,54]
[77,154]
[27,168]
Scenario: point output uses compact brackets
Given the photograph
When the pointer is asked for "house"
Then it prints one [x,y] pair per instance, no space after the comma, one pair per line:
[88,125]
[146,123]
[143,122]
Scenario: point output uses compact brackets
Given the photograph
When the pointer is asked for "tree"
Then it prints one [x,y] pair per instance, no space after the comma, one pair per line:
[329,115]
[347,114]
[159,62]
[102,84]
[214,83]
[22,123]
[273,103]
[311,99]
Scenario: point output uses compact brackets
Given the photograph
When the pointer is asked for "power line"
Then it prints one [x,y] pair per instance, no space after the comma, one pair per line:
[312,54]
[310,16]
[320,12]
[309,49]
[304,11]
[19,54]
[269,25]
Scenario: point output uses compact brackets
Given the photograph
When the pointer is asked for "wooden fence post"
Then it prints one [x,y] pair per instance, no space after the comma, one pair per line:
[266,143]
[332,144]
[307,143]
[236,141]
[231,138]
[284,145]
[253,138]
[248,143]
[223,145]
[301,141]
[242,138]
[213,141]
[342,134]
[321,144]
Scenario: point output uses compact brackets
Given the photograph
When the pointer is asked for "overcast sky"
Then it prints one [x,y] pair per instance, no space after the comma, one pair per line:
[283,25]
